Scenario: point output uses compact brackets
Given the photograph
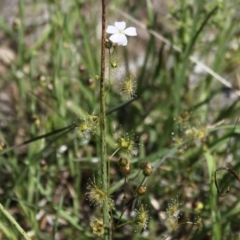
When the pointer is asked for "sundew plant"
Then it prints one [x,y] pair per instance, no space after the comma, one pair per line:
[119,120]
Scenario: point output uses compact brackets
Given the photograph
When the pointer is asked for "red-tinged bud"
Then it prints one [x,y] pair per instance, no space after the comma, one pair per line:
[90,82]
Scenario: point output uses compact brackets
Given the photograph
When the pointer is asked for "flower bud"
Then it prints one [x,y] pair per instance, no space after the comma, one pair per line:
[141,190]
[89,82]
[16,24]
[43,163]
[36,121]
[143,165]
[42,80]
[96,77]
[108,44]
[147,171]
[123,162]
[2,146]
[126,170]
[114,64]
[184,115]
[82,69]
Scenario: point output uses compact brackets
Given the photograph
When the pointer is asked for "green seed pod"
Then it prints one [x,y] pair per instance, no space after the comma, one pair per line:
[123,162]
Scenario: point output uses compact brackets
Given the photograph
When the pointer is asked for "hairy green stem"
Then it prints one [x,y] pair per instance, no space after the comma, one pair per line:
[103,127]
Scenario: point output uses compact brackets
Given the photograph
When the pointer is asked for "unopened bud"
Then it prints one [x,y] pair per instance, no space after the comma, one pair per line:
[126,170]
[143,165]
[114,64]
[108,44]
[141,190]
[82,69]
[36,121]
[2,146]
[123,162]
[43,163]
[89,82]
[147,171]
[16,24]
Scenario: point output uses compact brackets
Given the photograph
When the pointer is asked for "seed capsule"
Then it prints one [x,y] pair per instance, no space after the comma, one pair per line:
[123,162]
[142,190]
[89,82]
[2,146]
[126,170]
[147,171]
[108,44]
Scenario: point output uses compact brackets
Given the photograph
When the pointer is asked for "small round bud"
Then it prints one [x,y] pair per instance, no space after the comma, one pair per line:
[180,151]
[16,24]
[43,163]
[97,77]
[126,170]
[42,79]
[141,190]
[143,165]
[82,69]
[108,44]
[2,146]
[123,162]
[184,115]
[147,171]
[36,121]
[89,82]
[114,64]
[198,206]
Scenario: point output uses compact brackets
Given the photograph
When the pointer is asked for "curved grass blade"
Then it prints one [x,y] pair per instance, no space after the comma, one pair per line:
[39,137]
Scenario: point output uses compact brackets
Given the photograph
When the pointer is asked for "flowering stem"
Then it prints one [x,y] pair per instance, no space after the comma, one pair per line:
[104,168]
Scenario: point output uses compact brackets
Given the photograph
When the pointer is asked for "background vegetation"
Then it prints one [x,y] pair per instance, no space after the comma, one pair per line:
[50,55]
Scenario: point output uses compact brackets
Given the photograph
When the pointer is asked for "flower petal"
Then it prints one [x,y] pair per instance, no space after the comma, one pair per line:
[112,29]
[122,40]
[131,31]
[120,25]
[115,37]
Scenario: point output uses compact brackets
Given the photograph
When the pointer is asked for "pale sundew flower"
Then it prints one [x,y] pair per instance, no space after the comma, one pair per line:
[119,32]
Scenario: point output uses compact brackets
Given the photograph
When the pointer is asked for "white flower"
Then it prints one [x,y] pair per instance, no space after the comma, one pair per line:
[119,33]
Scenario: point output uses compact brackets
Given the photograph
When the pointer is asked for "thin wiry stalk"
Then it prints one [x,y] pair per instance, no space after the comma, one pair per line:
[103,127]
